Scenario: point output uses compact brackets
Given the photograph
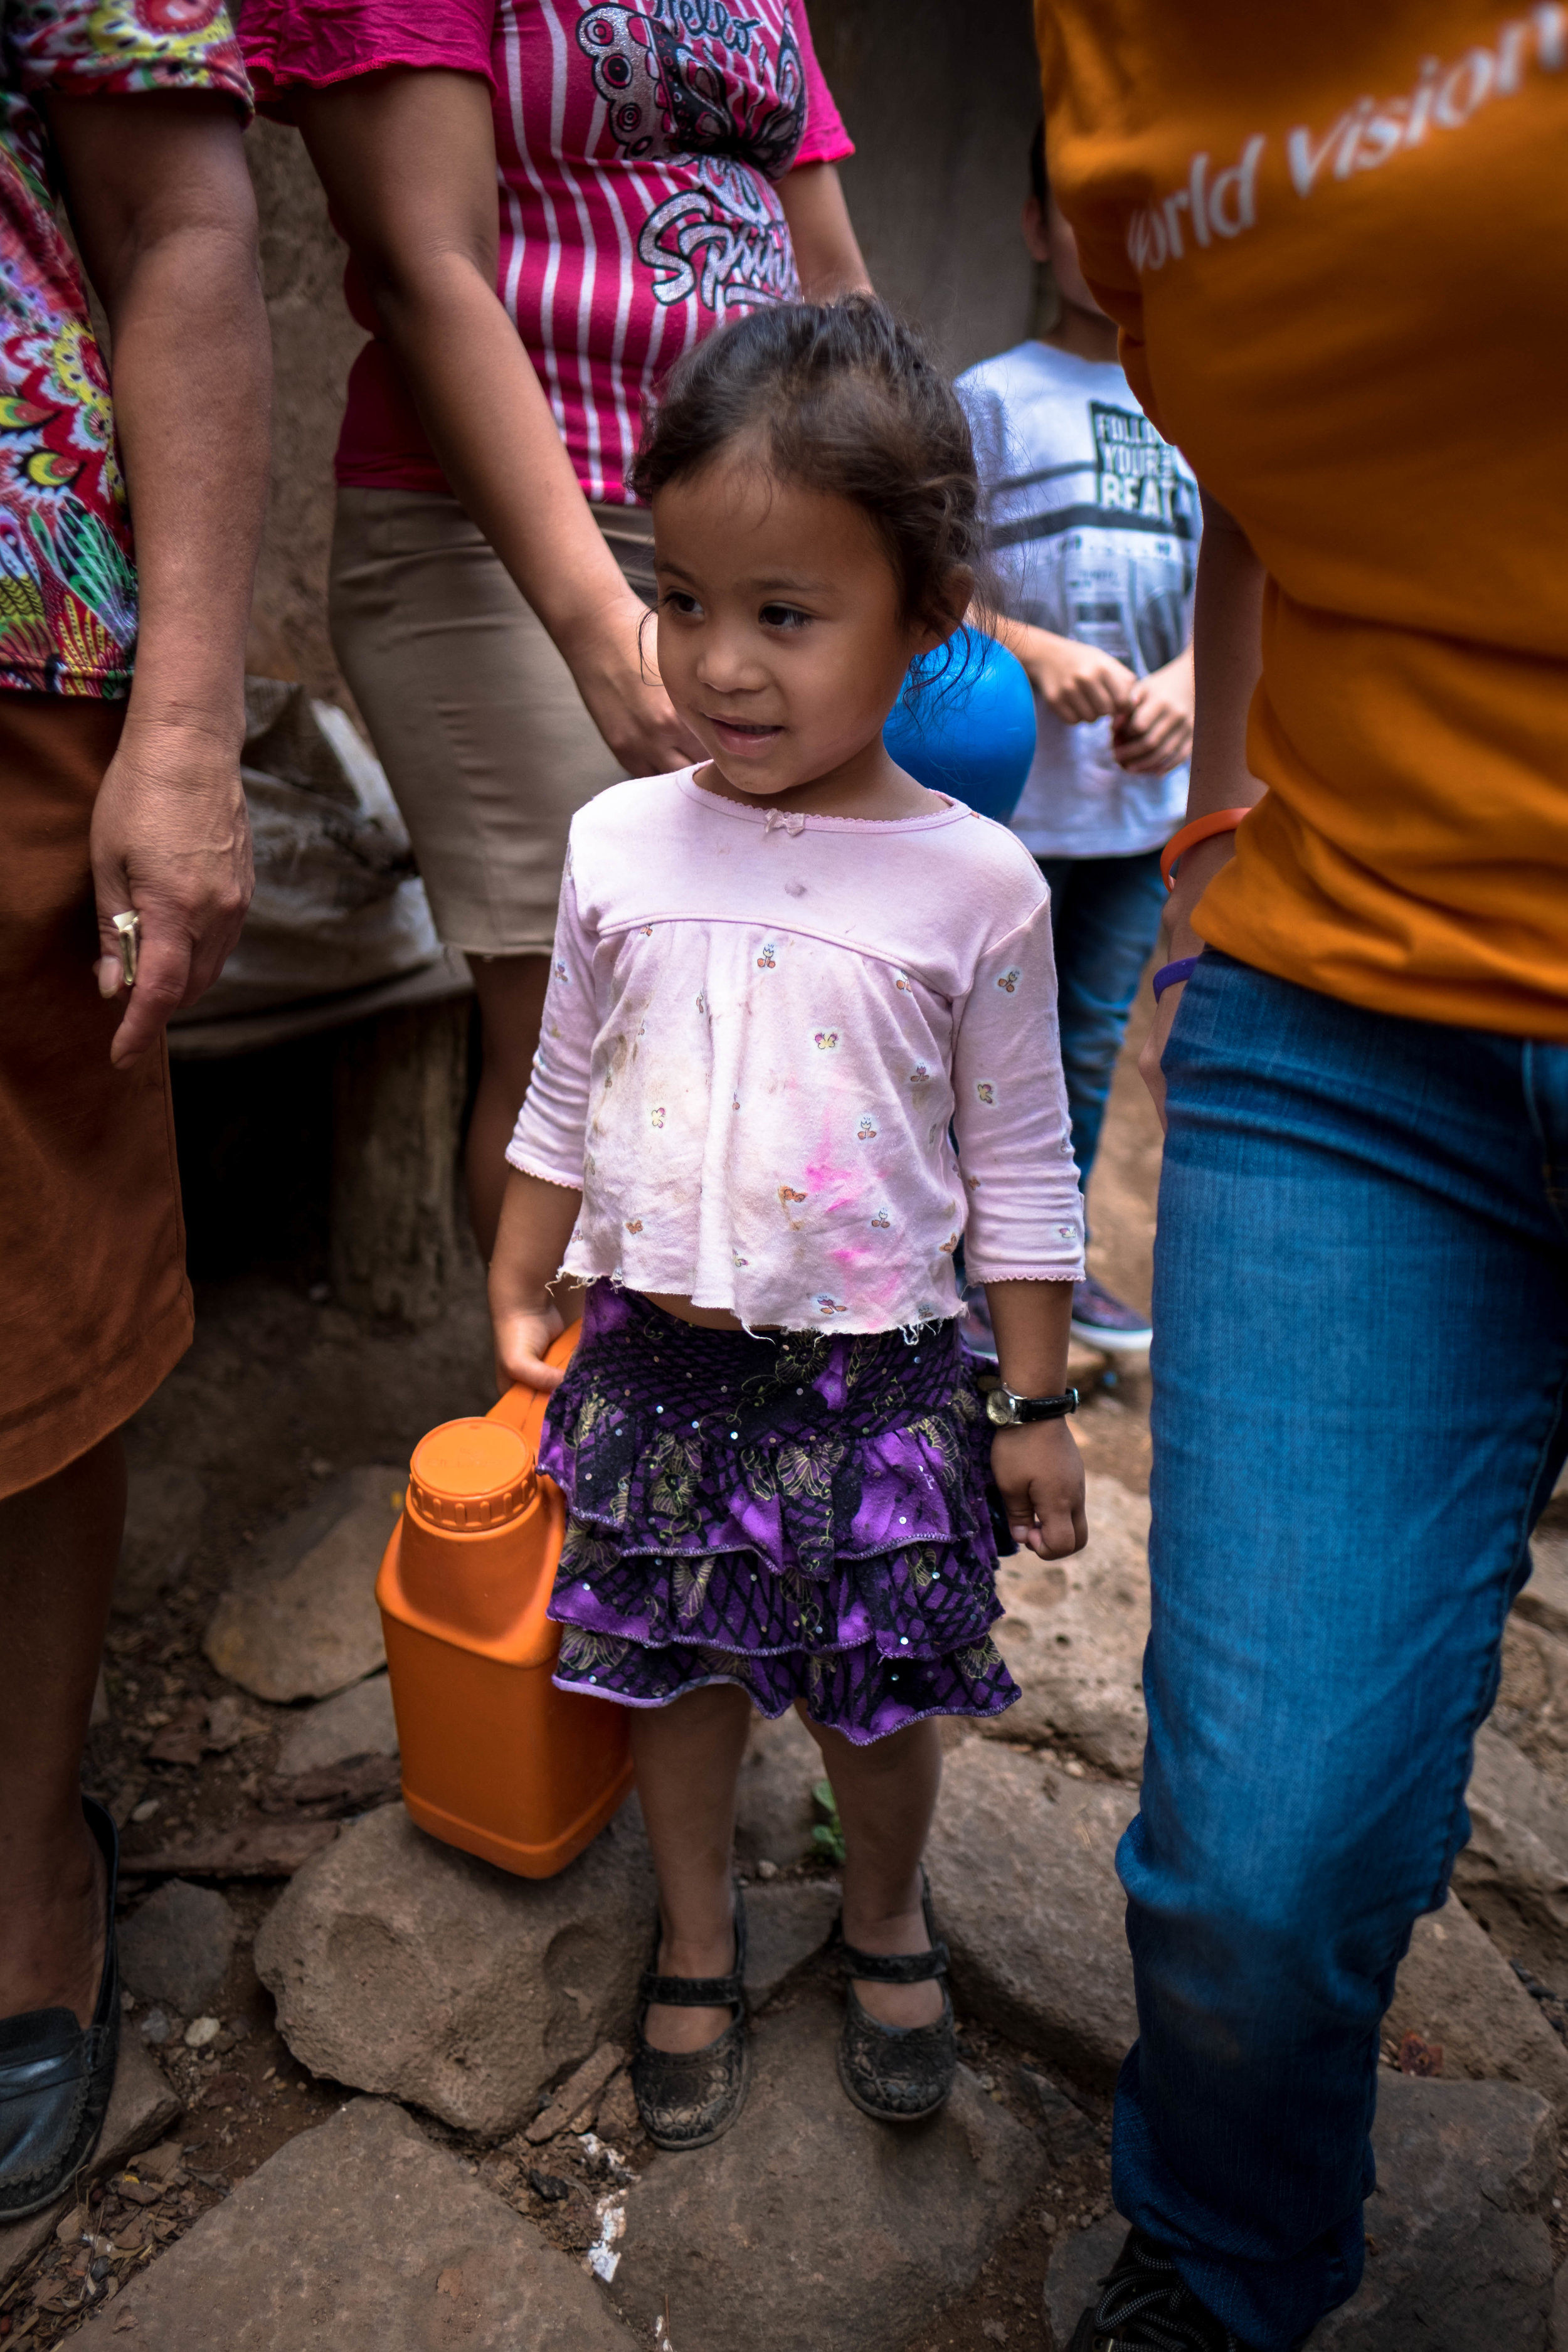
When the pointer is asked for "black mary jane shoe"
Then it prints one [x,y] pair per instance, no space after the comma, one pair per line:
[687,2097]
[54,2079]
[896,2074]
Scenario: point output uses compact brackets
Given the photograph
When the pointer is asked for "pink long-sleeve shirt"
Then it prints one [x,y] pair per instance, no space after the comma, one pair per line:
[758,1031]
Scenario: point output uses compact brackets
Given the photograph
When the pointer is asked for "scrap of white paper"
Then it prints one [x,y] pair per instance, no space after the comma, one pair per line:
[602,2259]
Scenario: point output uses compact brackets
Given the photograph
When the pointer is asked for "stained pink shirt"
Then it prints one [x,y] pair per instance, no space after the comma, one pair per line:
[758,1032]
[639,145]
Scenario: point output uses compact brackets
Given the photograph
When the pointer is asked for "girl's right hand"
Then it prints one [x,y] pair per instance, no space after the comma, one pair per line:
[612,660]
[536,1221]
[522,1340]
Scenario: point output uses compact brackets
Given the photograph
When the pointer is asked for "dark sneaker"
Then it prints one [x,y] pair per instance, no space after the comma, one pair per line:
[1100,1320]
[1144,2307]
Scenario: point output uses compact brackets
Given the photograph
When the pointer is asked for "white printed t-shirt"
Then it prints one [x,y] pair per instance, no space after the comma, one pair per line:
[760,1034]
[1093,525]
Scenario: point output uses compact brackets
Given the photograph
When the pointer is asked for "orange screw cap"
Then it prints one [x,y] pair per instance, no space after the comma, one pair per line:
[471,1474]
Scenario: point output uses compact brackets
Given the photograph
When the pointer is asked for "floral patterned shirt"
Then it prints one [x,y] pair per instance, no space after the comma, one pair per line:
[763,1032]
[67,584]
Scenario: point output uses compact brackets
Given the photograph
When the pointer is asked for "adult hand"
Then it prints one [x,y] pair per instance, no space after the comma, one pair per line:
[1077,683]
[171,839]
[611,656]
[1227,638]
[1038,1471]
[1194,872]
[1153,733]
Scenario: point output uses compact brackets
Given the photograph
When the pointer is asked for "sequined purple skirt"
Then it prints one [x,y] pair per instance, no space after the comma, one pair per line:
[804,1515]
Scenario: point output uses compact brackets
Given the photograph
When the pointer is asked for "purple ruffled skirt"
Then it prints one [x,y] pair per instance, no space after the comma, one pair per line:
[803,1514]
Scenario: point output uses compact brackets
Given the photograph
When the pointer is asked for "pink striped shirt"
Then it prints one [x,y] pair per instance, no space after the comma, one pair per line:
[640,145]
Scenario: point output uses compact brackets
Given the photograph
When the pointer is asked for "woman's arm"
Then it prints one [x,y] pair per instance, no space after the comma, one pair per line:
[825,252]
[408,159]
[1227,631]
[161,207]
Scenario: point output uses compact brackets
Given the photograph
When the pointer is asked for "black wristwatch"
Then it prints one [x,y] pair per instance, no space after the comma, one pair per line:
[1007,1410]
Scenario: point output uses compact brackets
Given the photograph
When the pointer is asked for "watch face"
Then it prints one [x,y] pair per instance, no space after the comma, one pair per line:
[998,1411]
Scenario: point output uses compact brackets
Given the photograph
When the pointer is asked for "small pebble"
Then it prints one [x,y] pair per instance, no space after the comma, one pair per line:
[548,2185]
[766,1870]
[201,2031]
[146,1810]
[154,2026]
[1073,1768]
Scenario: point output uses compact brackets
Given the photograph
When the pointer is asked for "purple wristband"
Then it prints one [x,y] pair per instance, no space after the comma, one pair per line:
[1171,975]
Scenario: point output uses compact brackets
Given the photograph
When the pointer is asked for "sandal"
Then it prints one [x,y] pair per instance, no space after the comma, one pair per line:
[54,2079]
[687,2097]
[896,2074]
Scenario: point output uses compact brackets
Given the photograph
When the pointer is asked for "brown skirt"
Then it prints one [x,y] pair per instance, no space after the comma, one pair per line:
[94,1304]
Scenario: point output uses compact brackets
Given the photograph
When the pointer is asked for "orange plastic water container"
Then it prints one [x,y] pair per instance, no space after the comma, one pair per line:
[495,1759]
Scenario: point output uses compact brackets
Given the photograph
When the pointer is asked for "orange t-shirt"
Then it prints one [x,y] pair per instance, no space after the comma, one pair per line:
[1336,241]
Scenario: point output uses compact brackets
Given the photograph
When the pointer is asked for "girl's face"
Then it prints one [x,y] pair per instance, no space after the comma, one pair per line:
[779,638]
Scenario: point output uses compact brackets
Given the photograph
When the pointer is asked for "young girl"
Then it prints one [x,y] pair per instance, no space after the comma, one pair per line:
[783,979]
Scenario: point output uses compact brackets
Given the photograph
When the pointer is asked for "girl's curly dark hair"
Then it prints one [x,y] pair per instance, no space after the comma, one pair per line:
[843,398]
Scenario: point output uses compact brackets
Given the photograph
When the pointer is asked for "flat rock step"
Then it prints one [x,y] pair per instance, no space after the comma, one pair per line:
[363,2237]
[1023,1869]
[300,1619]
[810,2229]
[358,1722]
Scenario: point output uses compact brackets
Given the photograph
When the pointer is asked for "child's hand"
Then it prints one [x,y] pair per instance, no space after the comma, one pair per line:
[1078,683]
[523,1341]
[1155,732]
[536,1221]
[1039,1474]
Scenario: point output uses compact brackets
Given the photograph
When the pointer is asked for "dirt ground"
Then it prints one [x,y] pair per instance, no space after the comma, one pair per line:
[281,1390]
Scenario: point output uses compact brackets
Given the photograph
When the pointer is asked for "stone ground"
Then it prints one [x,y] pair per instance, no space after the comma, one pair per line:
[373,2092]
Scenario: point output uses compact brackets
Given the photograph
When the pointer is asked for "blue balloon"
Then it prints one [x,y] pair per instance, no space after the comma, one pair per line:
[967,728]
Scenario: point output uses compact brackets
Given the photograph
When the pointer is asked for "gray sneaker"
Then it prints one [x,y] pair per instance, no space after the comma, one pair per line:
[1100,1320]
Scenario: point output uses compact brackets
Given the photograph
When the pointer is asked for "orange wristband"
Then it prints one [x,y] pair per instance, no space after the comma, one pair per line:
[1202,828]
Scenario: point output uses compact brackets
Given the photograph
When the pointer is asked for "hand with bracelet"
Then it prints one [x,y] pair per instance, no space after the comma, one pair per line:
[1035,1459]
[1226,649]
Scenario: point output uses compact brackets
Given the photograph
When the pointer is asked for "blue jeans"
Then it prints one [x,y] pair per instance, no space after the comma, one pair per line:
[1105,919]
[1361,1355]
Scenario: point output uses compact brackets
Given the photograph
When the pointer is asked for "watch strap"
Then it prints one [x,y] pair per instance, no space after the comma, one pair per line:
[1031,1409]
